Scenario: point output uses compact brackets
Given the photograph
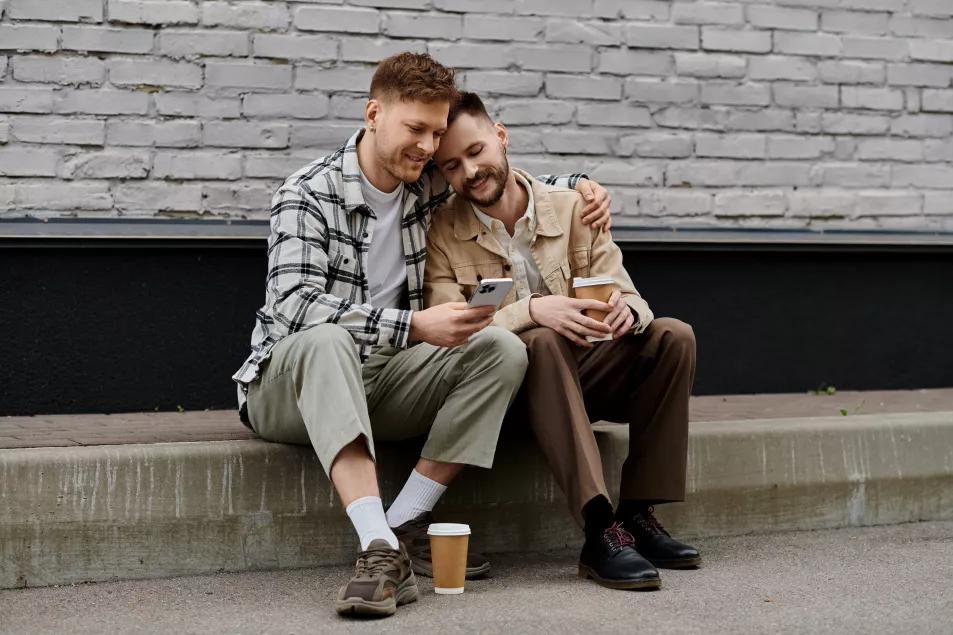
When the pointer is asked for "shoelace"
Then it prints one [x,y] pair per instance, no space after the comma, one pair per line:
[649,522]
[371,562]
[618,536]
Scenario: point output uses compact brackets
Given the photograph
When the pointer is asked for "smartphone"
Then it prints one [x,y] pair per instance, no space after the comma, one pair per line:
[491,292]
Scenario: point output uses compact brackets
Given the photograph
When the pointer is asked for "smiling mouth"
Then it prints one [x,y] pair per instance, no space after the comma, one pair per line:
[479,184]
[416,160]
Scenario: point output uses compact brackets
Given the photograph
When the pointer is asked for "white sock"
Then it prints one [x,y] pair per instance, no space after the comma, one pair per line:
[367,516]
[418,497]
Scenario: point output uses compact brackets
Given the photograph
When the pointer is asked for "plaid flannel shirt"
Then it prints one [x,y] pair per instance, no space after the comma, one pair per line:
[317,257]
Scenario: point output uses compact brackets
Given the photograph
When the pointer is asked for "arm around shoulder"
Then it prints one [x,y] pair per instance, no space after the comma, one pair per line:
[606,260]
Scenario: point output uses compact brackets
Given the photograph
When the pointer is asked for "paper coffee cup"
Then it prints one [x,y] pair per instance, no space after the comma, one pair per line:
[448,551]
[599,288]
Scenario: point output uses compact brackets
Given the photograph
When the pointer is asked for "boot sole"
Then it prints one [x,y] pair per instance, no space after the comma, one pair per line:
[587,573]
[472,573]
[687,563]
[407,592]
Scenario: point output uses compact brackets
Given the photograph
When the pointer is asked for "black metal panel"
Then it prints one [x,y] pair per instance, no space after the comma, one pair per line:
[114,326]
[125,329]
[783,321]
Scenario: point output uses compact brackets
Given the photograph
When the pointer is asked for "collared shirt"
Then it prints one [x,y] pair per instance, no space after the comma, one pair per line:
[321,230]
[527,279]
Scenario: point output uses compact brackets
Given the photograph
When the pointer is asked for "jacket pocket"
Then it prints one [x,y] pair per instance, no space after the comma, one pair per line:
[556,277]
[344,276]
[468,276]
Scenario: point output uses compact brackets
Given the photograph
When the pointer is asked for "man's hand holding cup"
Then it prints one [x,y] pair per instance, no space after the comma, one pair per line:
[620,318]
[567,317]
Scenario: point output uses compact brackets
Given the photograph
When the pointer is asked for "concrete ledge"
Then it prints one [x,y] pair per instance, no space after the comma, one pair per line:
[142,511]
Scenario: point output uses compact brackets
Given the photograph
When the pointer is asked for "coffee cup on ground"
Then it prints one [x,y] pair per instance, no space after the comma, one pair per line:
[598,288]
[448,550]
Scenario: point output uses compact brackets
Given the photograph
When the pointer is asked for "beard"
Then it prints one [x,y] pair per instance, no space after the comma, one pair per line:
[397,165]
[496,175]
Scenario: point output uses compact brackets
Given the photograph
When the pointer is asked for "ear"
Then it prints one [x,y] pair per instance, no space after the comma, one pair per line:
[372,114]
[501,134]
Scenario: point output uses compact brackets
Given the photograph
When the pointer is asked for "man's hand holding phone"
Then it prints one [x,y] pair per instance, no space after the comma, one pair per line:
[564,315]
[449,325]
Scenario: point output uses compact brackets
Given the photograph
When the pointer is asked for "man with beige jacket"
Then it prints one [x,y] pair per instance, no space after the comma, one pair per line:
[502,223]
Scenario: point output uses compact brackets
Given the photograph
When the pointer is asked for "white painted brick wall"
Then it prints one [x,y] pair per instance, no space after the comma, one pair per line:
[63,196]
[95,39]
[110,164]
[157,12]
[29,37]
[194,43]
[265,16]
[771,113]
[197,165]
[55,10]
[101,102]
[170,134]
[52,70]
[337,19]
[134,72]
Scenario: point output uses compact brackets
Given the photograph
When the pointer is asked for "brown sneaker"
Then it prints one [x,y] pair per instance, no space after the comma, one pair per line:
[413,534]
[383,580]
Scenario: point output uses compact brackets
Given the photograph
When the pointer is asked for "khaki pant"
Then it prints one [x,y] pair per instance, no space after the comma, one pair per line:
[314,391]
[643,380]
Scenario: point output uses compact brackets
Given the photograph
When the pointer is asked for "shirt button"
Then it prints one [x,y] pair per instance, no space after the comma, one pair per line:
[506,267]
[522,286]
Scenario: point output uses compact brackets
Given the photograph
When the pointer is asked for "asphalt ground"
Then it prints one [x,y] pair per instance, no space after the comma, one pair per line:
[894,580]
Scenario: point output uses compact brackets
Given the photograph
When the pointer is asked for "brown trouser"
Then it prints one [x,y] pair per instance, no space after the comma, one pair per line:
[644,380]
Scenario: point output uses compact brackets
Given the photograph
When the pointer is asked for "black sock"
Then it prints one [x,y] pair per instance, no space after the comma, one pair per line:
[598,516]
[629,508]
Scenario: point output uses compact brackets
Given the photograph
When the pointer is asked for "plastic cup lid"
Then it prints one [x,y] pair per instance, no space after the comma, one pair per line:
[448,529]
[591,282]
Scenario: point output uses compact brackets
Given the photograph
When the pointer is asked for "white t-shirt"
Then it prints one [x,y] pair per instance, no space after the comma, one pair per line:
[386,269]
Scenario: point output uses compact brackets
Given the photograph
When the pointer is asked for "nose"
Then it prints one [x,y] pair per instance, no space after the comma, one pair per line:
[426,145]
[470,169]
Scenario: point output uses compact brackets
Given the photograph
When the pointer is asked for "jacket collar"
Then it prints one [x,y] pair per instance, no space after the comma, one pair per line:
[466,224]
[353,198]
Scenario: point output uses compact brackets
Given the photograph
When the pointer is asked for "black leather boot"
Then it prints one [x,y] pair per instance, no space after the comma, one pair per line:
[611,560]
[656,544]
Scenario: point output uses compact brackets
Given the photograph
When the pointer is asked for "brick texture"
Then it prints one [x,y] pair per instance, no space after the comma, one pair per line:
[771,113]
[219,425]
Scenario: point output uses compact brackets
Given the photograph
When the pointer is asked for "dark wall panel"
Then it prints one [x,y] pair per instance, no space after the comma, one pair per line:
[770,321]
[120,330]
[114,329]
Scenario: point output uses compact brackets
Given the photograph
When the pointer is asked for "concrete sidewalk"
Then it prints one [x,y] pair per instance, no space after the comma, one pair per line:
[73,514]
[893,580]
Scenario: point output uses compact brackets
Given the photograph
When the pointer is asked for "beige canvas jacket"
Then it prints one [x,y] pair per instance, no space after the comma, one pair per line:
[459,249]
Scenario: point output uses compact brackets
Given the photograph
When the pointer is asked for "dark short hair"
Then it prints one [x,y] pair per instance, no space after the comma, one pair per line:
[414,77]
[468,104]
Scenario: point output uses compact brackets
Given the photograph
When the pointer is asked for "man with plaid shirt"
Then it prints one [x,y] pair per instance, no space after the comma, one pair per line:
[343,351]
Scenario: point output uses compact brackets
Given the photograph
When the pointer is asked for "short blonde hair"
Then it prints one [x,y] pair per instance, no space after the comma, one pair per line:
[414,77]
